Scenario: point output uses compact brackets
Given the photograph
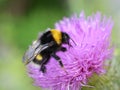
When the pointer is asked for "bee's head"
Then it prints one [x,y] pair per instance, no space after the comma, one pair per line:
[65,38]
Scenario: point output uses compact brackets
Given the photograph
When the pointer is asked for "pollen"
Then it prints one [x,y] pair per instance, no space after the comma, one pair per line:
[39,57]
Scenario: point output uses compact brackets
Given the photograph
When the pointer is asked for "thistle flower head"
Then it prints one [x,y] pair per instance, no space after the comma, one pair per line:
[86,56]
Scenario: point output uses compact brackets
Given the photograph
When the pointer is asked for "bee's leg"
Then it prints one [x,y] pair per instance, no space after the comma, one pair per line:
[43,63]
[63,49]
[58,59]
[43,68]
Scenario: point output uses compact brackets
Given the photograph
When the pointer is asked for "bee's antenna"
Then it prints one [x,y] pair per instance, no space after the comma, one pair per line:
[73,41]
[70,44]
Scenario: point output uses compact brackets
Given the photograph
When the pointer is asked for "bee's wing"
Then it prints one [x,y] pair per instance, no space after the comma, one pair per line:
[32,51]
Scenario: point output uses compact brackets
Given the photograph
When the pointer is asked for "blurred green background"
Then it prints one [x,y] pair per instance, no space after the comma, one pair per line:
[22,20]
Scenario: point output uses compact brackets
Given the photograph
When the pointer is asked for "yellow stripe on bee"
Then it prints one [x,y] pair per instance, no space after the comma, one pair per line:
[39,57]
[57,35]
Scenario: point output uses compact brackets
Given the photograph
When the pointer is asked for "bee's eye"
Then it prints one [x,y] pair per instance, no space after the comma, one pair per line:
[67,37]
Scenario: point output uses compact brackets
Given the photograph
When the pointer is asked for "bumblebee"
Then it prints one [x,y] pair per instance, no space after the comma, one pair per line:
[45,47]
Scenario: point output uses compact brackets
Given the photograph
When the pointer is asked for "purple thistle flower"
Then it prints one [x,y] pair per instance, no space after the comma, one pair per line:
[86,57]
